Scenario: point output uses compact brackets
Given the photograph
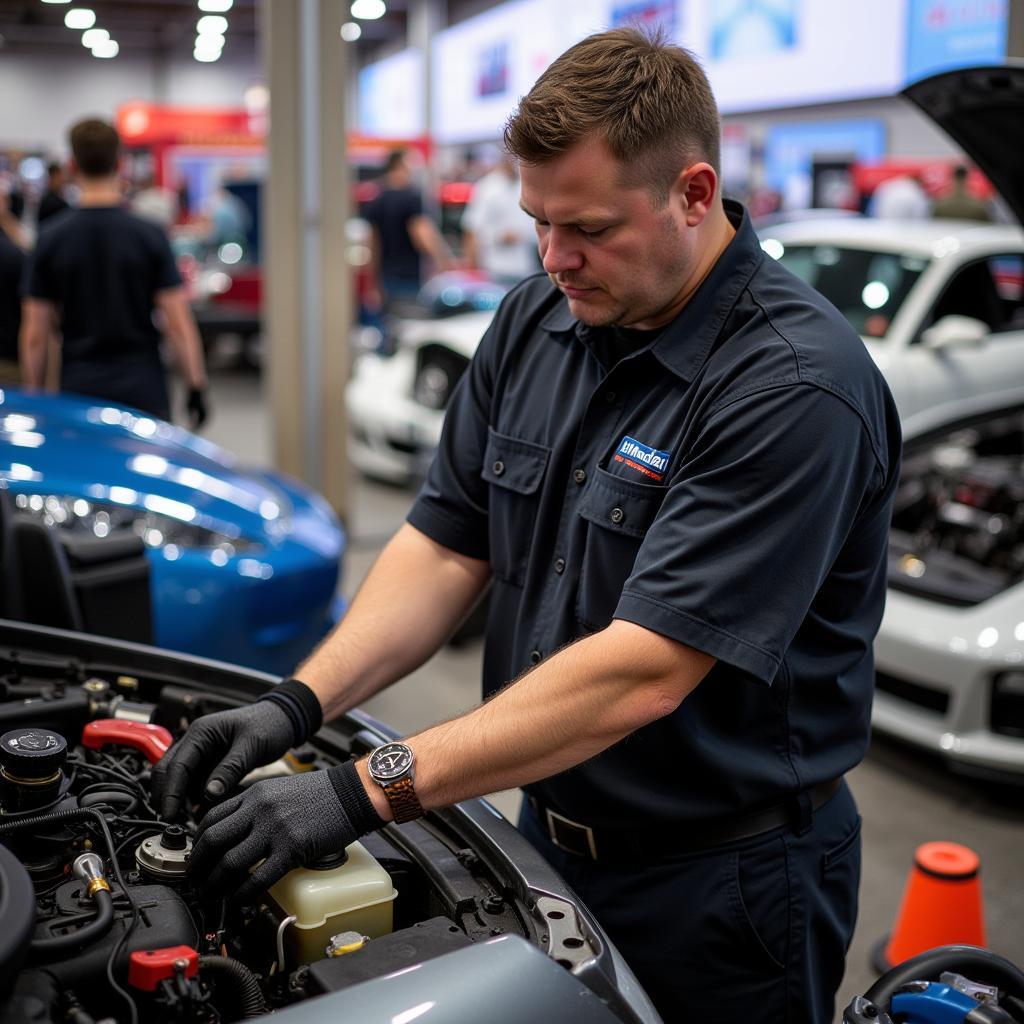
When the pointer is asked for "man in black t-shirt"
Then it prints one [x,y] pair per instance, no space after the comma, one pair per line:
[52,201]
[12,263]
[97,275]
[401,234]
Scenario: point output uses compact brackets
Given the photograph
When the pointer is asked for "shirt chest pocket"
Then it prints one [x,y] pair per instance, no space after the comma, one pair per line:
[618,513]
[515,470]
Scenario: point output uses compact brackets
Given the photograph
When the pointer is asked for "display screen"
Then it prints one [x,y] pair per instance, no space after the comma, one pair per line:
[790,151]
[946,34]
[758,54]
[390,103]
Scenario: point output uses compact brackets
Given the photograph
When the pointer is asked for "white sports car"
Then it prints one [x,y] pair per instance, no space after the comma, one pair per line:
[396,401]
[950,652]
[940,305]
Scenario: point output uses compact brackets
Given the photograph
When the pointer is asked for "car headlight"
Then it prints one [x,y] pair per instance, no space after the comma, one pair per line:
[1006,712]
[103,519]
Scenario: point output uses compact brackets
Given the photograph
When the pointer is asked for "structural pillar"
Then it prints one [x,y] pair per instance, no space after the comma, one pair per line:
[308,300]
[1015,30]
[424,20]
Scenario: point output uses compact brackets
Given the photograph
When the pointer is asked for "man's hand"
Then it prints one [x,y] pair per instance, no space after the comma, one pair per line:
[225,746]
[195,407]
[286,823]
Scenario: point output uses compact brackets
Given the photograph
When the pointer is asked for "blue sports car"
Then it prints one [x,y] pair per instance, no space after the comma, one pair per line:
[243,564]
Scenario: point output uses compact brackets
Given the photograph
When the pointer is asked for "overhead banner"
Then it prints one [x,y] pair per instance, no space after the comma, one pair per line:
[758,54]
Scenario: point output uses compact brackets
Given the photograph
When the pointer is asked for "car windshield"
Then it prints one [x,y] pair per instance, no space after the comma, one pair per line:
[867,287]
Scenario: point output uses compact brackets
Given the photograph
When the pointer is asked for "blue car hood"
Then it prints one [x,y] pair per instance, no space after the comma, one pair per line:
[69,446]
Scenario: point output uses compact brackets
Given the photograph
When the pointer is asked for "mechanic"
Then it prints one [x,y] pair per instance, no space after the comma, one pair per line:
[676,463]
[97,274]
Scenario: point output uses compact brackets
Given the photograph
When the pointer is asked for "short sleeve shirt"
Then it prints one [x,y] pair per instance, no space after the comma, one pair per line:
[390,214]
[12,262]
[729,486]
[102,268]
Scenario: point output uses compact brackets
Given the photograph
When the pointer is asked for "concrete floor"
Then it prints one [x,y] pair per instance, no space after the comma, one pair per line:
[905,798]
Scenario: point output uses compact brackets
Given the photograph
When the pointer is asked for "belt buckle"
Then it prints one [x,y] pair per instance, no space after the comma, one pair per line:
[558,823]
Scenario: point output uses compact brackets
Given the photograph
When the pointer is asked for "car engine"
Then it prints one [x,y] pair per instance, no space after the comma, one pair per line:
[958,521]
[100,920]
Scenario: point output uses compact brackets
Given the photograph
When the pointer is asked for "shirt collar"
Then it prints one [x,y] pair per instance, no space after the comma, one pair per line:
[683,345]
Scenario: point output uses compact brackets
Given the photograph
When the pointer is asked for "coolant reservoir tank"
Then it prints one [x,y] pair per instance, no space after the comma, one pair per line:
[356,895]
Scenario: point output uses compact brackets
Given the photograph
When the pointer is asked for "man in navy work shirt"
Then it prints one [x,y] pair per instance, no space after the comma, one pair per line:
[676,464]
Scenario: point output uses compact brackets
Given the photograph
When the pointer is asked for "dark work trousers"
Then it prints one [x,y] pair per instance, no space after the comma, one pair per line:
[753,931]
[140,384]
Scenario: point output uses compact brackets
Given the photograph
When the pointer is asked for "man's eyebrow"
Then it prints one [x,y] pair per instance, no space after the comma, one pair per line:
[581,222]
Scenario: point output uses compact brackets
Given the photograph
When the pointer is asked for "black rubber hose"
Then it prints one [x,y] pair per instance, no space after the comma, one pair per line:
[59,817]
[123,801]
[242,980]
[95,929]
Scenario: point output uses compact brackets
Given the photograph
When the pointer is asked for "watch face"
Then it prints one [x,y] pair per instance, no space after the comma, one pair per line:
[390,761]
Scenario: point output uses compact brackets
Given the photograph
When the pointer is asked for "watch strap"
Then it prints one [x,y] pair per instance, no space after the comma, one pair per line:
[405,804]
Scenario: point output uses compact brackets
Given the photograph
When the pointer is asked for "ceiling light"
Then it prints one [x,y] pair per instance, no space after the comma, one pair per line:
[209,44]
[212,25]
[208,48]
[93,36]
[256,97]
[350,31]
[56,1]
[215,6]
[80,17]
[368,10]
[105,49]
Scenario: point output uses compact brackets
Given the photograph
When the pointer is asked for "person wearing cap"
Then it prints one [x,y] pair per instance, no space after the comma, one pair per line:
[675,465]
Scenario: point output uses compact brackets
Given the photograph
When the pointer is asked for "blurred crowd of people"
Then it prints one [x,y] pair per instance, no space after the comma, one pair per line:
[87,297]
[47,252]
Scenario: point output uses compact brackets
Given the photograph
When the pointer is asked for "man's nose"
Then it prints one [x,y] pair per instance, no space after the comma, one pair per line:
[559,252]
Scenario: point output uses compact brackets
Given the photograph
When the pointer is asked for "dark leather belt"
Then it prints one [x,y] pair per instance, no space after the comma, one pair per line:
[660,840]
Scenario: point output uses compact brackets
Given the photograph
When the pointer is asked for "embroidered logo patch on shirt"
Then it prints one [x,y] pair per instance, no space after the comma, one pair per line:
[644,459]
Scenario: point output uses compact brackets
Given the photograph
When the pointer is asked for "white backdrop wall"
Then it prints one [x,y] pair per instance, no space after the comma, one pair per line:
[40,97]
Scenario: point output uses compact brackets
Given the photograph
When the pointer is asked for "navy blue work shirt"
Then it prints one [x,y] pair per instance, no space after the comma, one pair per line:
[729,486]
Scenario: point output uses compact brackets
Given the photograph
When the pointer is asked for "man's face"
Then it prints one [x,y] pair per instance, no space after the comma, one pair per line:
[617,256]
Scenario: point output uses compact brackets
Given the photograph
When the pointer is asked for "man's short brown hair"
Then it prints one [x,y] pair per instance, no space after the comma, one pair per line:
[648,100]
[95,146]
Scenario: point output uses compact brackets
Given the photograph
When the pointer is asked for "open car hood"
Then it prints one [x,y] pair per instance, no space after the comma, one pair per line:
[982,110]
[462,879]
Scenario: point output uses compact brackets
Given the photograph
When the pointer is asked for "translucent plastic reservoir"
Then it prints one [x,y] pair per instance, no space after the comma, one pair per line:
[355,896]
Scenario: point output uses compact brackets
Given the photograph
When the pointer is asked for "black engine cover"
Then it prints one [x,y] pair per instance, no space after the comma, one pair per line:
[164,920]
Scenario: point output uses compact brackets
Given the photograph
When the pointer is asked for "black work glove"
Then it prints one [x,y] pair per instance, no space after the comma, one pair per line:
[220,749]
[286,823]
[195,407]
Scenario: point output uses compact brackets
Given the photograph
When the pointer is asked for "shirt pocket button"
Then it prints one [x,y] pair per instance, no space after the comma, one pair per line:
[498,468]
[616,515]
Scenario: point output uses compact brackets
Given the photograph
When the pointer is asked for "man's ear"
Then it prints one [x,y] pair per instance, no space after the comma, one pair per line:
[695,190]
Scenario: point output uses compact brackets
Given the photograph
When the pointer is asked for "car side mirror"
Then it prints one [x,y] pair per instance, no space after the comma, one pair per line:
[955,331]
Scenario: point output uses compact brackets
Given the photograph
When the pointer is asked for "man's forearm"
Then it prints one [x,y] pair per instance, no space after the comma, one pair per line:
[579,702]
[413,599]
[36,327]
[183,336]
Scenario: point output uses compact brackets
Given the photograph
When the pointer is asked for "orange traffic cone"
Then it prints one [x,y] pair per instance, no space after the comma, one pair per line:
[941,905]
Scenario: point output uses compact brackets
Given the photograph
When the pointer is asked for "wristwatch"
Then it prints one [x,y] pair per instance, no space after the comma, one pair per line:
[391,767]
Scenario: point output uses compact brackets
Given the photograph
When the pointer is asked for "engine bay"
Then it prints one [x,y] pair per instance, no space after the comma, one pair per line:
[958,521]
[100,918]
